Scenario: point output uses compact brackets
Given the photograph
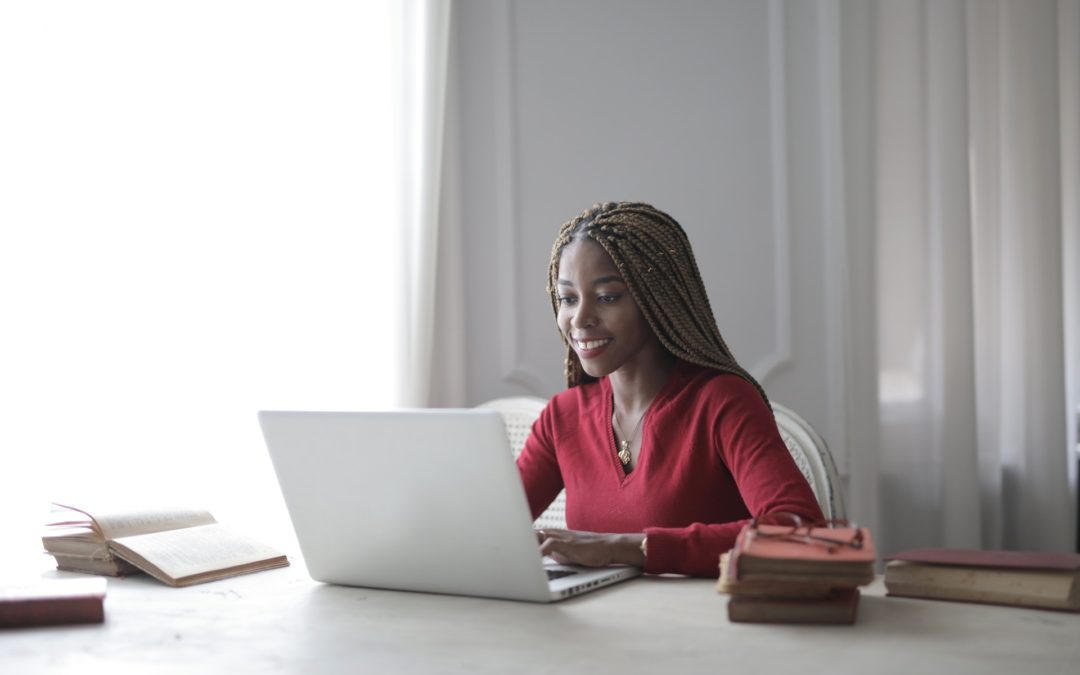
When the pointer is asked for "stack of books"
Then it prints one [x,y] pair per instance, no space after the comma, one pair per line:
[77,543]
[179,547]
[796,574]
[1016,578]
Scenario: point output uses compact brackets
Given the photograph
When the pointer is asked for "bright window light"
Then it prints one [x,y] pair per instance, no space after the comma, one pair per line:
[199,219]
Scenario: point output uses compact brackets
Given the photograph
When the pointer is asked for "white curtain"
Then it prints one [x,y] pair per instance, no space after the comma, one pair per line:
[975,143]
[427,37]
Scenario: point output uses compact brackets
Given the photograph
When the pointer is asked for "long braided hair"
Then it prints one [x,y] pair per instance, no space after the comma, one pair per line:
[653,255]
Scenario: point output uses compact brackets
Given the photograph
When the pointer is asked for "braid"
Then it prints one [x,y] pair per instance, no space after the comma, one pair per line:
[654,257]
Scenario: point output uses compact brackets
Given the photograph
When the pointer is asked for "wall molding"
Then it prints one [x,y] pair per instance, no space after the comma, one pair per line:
[781,354]
[507,191]
[834,222]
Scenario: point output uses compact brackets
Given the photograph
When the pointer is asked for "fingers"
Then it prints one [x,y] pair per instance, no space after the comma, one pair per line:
[575,548]
[552,543]
[544,534]
[557,551]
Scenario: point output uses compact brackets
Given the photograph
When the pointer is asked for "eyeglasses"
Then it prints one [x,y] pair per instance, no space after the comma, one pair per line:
[790,527]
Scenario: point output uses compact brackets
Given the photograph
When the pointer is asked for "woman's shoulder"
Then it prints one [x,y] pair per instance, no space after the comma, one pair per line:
[578,398]
[696,379]
[713,391]
[568,409]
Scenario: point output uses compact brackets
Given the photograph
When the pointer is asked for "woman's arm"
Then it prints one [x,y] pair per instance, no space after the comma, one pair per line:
[745,435]
[539,466]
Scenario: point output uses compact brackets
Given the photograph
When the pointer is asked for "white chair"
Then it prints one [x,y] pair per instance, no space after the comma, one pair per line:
[813,458]
[518,414]
[807,448]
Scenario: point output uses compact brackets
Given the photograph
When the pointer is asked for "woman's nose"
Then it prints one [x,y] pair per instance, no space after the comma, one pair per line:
[584,316]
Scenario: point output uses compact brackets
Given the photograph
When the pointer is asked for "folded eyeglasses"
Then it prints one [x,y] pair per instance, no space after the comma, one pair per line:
[790,527]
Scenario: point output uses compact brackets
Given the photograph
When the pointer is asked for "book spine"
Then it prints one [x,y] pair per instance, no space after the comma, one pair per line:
[52,611]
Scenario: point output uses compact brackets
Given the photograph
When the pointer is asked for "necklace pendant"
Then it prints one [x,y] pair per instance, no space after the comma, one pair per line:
[624,453]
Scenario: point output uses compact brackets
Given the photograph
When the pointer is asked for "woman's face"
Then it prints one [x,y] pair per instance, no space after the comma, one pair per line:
[597,314]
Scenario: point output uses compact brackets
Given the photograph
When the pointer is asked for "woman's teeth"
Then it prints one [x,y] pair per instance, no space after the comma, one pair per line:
[593,344]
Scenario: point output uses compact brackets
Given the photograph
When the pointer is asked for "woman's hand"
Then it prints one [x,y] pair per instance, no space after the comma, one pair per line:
[592,549]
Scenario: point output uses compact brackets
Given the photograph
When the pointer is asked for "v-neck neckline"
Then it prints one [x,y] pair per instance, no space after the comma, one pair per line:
[621,473]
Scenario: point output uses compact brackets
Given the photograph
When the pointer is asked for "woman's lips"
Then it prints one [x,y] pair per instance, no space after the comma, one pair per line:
[592,347]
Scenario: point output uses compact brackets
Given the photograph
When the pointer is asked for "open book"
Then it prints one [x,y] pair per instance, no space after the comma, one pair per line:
[177,546]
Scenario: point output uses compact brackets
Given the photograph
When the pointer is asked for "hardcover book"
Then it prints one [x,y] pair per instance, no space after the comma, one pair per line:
[793,589]
[839,607]
[58,601]
[831,556]
[1017,578]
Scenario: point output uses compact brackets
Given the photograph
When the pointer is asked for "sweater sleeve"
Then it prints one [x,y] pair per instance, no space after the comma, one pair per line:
[539,466]
[745,435]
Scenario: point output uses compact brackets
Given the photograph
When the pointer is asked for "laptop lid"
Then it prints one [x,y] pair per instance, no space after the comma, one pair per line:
[419,500]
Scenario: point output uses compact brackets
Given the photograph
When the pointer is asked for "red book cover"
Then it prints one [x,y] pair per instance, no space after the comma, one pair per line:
[810,544]
[1020,560]
[60,601]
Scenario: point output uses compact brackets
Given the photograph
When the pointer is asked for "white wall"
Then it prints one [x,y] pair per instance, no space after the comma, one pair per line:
[722,114]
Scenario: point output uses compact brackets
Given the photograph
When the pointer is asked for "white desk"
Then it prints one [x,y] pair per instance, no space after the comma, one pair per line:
[282,622]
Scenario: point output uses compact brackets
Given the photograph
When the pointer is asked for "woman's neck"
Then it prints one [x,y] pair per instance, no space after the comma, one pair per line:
[633,387]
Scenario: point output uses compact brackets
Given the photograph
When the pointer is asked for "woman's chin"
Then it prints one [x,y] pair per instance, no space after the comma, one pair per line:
[593,369]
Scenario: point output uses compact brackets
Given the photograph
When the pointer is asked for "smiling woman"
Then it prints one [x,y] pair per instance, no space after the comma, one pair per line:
[201,211]
[665,445]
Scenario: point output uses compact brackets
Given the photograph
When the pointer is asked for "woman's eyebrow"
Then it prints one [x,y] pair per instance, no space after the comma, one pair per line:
[595,282]
[607,280]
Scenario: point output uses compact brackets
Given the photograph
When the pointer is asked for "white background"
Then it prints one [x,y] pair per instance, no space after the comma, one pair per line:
[198,220]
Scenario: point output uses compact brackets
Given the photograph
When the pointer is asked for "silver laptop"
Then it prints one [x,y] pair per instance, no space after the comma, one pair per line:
[418,500]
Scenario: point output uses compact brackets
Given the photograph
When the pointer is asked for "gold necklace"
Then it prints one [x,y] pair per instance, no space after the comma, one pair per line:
[624,445]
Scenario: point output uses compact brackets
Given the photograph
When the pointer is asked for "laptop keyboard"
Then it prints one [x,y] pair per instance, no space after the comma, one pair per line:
[559,574]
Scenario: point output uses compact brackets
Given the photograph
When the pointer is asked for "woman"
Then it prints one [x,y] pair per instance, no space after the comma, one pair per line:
[665,445]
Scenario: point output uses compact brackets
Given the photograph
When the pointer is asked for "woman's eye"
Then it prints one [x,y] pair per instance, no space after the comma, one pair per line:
[567,300]
[607,299]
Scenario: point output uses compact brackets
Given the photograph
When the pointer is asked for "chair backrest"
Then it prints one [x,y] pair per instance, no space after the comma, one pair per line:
[518,414]
[807,448]
[813,458]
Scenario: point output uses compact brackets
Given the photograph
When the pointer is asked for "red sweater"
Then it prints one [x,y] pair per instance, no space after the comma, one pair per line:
[711,458]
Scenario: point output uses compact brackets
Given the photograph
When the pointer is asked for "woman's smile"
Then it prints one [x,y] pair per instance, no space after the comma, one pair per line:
[590,347]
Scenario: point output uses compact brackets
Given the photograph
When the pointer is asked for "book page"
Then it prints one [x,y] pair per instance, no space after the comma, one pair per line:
[117,523]
[194,550]
[65,517]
